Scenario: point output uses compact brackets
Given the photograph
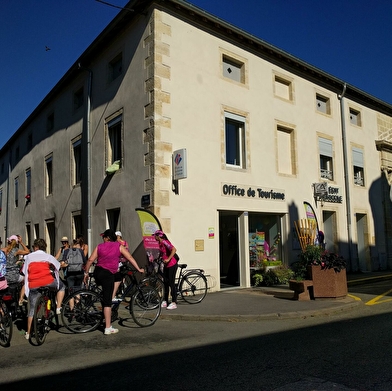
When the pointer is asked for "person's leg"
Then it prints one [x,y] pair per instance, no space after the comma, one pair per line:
[166,284]
[106,279]
[117,283]
[33,296]
[172,282]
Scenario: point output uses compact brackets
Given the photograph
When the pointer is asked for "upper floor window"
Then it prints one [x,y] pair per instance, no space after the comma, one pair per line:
[29,142]
[16,191]
[49,175]
[355,117]
[115,67]
[77,161]
[233,69]
[357,156]
[78,99]
[235,140]
[283,88]
[326,158]
[1,199]
[50,122]
[28,184]
[286,151]
[323,104]
[114,150]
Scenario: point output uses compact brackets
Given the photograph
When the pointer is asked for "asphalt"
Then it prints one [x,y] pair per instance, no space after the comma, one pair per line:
[261,303]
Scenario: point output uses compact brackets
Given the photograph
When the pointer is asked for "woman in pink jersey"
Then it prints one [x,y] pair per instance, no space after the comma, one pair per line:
[107,255]
[167,252]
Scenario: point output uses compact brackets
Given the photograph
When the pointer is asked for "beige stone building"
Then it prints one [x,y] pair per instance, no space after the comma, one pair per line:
[252,130]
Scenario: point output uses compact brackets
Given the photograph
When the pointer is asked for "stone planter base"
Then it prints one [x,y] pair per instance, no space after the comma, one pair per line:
[327,283]
[303,290]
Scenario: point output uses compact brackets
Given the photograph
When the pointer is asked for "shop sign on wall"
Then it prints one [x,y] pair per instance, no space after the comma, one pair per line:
[256,192]
[334,195]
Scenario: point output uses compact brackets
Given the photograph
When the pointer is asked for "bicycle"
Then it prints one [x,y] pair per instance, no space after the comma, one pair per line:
[191,284]
[86,313]
[6,325]
[45,317]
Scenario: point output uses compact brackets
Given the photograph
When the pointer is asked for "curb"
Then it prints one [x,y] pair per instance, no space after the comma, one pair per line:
[348,304]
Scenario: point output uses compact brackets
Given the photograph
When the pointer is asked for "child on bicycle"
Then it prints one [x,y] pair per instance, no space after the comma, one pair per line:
[167,252]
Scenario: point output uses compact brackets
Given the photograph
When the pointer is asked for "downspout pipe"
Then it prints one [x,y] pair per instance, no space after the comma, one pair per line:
[88,137]
[346,175]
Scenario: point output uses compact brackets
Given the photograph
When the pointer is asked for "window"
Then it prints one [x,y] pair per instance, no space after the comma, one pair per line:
[235,140]
[77,161]
[28,184]
[50,122]
[326,166]
[29,142]
[323,104]
[283,88]
[78,99]
[48,175]
[1,200]
[355,117]
[357,155]
[115,67]
[233,69]
[77,223]
[50,236]
[113,216]
[28,235]
[16,191]
[114,140]
[36,231]
[286,151]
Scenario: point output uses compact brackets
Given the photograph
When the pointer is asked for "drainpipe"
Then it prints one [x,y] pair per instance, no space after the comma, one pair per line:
[346,174]
[89,87]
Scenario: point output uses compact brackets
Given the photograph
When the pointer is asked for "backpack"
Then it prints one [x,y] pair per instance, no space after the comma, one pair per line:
[3,264]
[75,260]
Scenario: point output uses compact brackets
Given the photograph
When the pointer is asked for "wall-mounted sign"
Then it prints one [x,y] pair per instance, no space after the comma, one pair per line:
[334,195]
[179,164]
[246,191]
[211,233]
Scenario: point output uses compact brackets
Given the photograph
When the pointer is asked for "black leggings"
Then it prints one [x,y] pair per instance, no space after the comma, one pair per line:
[105,278]
[169,279]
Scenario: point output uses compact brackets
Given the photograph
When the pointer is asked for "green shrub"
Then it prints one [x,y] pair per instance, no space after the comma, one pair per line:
[276,276]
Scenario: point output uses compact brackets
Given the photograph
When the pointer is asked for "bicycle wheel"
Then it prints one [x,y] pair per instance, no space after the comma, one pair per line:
[82,311]
[193,287]
[145,306]
[6,326]
[154,282]
[41,325]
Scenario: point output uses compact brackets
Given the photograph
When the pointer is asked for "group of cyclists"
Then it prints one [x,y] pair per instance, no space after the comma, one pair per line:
[38,268]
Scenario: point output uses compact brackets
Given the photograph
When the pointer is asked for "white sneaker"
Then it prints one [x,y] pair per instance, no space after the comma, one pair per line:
[110,330]
[58,311]
[27,336]
[164,304]
[116,300]
[172,306]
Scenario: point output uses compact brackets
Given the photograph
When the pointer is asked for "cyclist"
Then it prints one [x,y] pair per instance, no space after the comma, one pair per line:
[167,252]
[107,255]
[41,269]
[13,253]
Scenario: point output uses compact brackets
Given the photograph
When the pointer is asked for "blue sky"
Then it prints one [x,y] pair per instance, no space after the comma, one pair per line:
[350,39]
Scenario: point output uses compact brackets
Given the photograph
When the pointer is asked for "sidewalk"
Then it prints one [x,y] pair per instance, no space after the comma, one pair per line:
[257,304]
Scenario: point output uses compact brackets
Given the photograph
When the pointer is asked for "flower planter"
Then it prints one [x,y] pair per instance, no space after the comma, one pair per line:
[327,283]
[302,289]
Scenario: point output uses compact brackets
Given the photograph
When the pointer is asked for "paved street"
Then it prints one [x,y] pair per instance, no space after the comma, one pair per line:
[342,351]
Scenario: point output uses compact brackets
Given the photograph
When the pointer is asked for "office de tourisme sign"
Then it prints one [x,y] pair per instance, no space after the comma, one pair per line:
[245,191]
